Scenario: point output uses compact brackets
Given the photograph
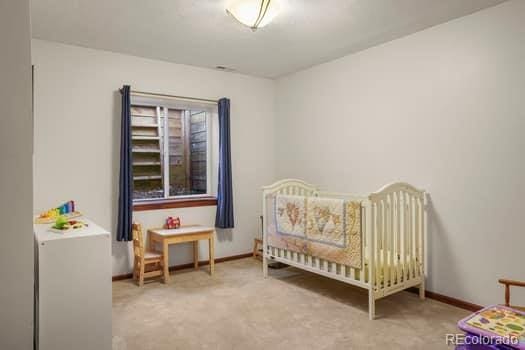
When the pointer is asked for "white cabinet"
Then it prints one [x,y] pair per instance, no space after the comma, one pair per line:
[73,288]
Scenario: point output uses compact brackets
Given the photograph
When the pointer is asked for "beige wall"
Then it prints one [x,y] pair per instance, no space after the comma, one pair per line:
[443,109]
[16,186]
[77,133]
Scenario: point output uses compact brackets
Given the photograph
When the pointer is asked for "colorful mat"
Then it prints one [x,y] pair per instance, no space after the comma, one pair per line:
[499,321]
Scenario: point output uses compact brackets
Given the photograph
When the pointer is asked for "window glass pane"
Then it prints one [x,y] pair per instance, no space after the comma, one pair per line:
[177,163]
[187,152]
[169,147]
[146,153]
[198,147]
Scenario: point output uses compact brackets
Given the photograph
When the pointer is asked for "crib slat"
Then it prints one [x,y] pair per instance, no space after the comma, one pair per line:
[424,233]
[395,230]
[334,268]
[421,230]
[377,249]
[403,230]
[383,246]
[390,239]
[380,246]
[399,239]
[386,232]
[406,228]
[364,244]
[418,219]
[363,227]
[372,247]
[409,235]
[415,247]
[408,238]
[375,252]
[414,235]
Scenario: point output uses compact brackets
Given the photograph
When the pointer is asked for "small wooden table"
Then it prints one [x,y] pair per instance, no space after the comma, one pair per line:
[181,235]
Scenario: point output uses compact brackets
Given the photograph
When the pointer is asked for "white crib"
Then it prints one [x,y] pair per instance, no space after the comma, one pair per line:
[393,225]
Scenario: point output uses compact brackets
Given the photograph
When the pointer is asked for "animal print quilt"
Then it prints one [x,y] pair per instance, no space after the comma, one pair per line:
[327,228]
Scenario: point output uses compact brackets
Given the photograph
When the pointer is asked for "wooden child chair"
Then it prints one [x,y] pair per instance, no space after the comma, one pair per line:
[508,284]
[144,258]
[258,242]
[257,252]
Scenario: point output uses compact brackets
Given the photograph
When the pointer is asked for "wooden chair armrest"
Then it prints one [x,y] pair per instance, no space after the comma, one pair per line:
[507,284]
[511,282]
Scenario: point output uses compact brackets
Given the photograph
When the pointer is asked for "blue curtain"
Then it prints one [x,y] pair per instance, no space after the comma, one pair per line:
[224,217]
[126,181]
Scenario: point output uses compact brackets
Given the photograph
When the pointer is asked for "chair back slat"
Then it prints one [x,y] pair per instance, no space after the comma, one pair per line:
[138,241]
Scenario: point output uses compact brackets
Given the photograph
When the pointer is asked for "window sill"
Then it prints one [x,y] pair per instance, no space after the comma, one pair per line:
[174,203]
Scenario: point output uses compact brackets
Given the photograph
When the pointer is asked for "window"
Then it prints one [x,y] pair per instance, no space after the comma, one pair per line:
[171,149]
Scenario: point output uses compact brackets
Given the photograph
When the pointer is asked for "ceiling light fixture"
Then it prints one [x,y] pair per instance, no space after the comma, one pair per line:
[254,13]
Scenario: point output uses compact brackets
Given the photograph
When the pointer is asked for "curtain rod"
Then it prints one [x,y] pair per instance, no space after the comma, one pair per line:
[153,94]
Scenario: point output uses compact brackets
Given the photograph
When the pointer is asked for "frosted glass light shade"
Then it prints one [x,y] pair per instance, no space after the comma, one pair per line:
[254,13]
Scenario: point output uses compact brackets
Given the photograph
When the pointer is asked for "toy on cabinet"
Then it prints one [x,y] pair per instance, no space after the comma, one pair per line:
[62,224]
[67,210]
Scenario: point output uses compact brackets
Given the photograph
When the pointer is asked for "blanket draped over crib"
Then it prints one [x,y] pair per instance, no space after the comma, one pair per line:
[327,228]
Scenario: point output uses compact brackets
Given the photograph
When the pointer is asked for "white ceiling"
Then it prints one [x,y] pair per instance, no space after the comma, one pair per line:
[200,33]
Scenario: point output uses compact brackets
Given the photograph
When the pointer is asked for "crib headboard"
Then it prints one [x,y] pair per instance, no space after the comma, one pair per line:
[291,187]
[286,186]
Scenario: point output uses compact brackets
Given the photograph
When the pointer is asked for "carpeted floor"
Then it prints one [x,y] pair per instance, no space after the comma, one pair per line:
[238,309]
